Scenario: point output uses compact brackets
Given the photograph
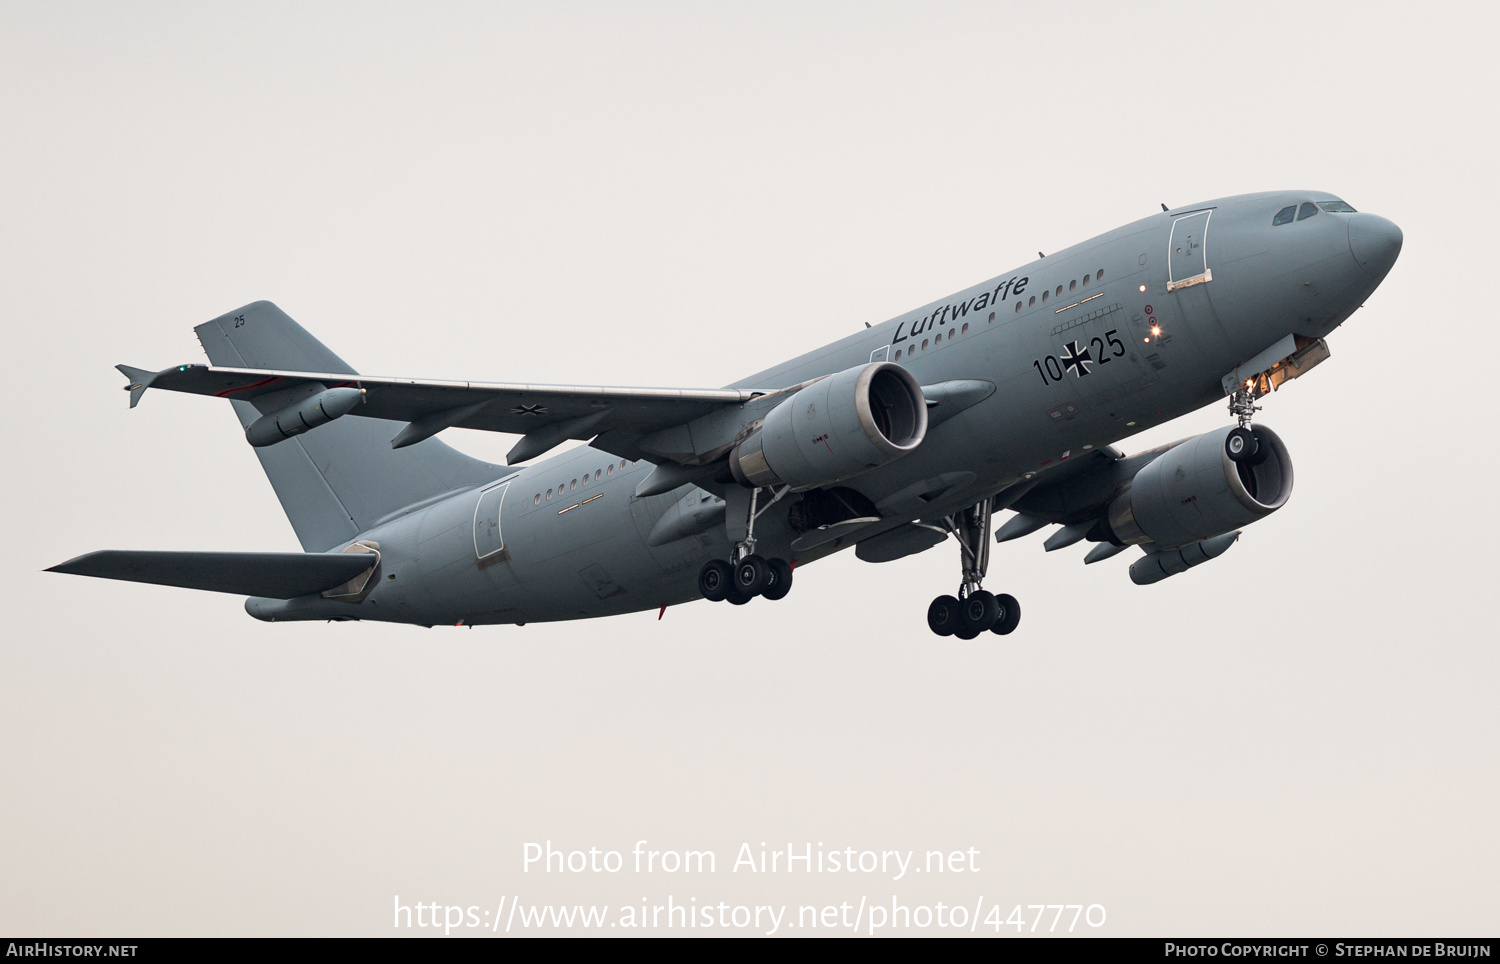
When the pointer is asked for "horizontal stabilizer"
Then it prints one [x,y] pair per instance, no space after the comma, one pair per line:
[278,575]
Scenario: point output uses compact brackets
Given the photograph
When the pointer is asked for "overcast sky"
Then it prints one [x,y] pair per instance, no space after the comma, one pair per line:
[1299,738]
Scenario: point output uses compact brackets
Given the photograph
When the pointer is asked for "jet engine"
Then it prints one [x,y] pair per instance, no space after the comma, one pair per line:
[835,428]
[1195,491]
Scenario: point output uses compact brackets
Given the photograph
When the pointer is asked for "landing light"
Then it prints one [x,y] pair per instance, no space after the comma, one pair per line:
[1143,287]
[1155,329]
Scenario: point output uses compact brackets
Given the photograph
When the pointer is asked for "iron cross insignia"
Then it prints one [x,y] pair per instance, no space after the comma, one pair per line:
[1077,360]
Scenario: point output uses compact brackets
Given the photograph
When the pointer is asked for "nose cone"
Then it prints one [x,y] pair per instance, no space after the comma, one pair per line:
[1375,243]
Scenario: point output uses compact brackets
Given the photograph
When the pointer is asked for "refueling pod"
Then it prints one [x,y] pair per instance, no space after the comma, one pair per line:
[1195,491]
[834,429]
[1156,566]
[303,416]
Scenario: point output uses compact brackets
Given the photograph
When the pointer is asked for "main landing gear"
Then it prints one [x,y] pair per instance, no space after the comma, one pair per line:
[746,574]
[974,610]
[1243,444]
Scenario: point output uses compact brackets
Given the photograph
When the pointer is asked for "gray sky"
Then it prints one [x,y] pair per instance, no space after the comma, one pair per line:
[1298,739]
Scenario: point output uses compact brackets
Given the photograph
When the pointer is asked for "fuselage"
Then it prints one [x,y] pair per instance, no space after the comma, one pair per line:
[1084,347]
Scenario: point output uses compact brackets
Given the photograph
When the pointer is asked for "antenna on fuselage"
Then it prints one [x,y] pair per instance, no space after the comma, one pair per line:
[1163,207]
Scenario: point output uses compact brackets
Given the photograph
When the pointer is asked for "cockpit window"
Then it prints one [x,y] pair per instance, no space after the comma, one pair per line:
[1307,210]
[1336,207]
[1285,215]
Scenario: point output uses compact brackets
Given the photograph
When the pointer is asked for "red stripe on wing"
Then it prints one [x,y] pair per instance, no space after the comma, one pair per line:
[245,388]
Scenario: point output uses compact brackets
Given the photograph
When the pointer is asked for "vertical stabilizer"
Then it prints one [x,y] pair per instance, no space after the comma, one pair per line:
[335,481]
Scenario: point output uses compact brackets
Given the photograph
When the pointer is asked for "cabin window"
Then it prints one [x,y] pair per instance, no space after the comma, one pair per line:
[1072,285]
[1336,207]
[585,478]
[898,354]
[924,344]
[609,469]
[622,465]
[1018,307]
[549,495]
[939,339]
[1284,216]
[597,474]
[1085,281]
[1307,210]
[992,317]
[536,499]
[965,330]
[573,486]
[1045,296]
[1031,302]
[1099,275]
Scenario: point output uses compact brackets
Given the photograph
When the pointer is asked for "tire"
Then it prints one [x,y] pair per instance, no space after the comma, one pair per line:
[751,575]
[980,610]
[943,615]
[1010,615]
[714,580]
[736,598]
[967,632]
[781,579]
[1262,450]
[1241,445]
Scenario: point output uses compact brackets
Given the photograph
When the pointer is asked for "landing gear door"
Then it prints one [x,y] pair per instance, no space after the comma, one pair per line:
[1187,252]
[489,546]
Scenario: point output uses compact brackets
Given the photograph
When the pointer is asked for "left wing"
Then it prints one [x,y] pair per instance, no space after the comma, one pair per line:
[545,414]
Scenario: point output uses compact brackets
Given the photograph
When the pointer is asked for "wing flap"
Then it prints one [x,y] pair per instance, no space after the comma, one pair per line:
[276,575]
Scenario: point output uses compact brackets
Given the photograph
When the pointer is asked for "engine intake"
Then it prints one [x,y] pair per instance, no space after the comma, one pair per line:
[1195,491]
[834,429]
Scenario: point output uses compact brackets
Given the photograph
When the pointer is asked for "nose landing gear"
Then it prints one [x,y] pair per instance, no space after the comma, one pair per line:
[975,609]
[1243,444]
[746,574]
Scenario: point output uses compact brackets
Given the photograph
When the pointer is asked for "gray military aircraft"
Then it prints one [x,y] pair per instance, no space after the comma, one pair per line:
[1006,395]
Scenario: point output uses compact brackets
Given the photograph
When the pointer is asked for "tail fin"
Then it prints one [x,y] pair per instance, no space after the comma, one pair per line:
[333,482]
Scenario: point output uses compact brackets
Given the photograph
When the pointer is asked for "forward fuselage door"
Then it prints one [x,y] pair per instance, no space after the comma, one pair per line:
[1187,251]
[489,546]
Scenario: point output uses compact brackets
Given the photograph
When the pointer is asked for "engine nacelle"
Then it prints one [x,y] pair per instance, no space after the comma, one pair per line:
[1195,491]
[835,428]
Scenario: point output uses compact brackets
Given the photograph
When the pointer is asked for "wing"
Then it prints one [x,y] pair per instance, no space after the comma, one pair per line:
[545,414]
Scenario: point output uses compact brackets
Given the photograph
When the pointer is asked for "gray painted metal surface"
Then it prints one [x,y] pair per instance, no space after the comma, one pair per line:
[1027,379]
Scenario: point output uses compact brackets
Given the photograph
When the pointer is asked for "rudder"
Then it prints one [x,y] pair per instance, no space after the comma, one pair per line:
[336,480]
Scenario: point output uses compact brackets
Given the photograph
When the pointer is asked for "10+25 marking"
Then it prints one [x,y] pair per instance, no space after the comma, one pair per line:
[1077,358]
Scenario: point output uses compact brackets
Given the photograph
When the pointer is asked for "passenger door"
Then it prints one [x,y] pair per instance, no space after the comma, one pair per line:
[1187,251]
[489,545]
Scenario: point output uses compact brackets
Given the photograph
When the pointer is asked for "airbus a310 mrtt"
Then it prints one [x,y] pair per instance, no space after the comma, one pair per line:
[1006,395]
